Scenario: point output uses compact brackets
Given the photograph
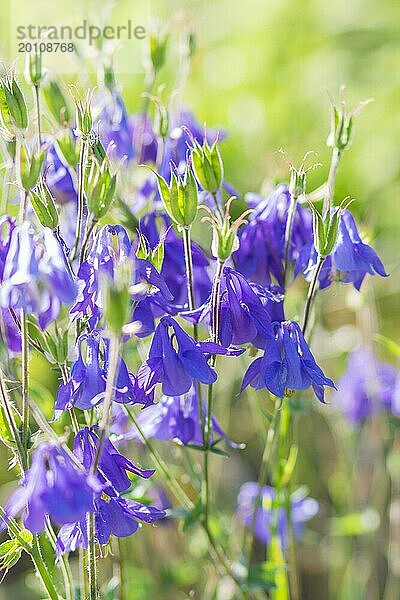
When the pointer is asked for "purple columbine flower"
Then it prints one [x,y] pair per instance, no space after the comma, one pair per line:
[114,125]
[114,515]
[287,364]
[243,318]
[261,253]
[110,246]
[113,466]
[54,486]
[36,277]
[176,418]
[87,382]
[367,388]
[9,332]
[302,509]
[175,361]
[349,262]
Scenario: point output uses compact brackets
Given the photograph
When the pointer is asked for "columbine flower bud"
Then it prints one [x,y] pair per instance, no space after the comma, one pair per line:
[100,187]
[57,102]
[155,256]
[44,206]
[158,47]
[326,228]
[83,111]
[207,164]
[340,136]
[34,72]
[68,149]
[13,111]
[180,197]
[225,240]
[31,167]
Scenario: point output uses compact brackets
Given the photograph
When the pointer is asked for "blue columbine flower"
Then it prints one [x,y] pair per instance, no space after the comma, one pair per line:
[261,253]
[111,246]
[113,466]
[176,418]
[87,381]
[55,487]
[9,332]
[36,277]
[287,364]
[175,361]
[367,388]
[244,318]
[114,515]
[302,509]
[349,262]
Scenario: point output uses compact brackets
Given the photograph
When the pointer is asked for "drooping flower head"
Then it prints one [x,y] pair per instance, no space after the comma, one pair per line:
[243,317]
[36,277]
[271,510]
[175,360]
[111,247]
[351,260]
[176,418]
[261,253]
[87,381]
[54,486]
[287,364]
[367,388]
[114,515]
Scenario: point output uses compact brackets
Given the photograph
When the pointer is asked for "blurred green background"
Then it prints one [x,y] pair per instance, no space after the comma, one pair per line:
[262,71]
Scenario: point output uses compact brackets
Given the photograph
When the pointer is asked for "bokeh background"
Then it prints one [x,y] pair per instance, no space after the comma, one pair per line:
[263,71]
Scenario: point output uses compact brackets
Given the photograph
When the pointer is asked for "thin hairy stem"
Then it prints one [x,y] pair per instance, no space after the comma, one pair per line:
[81,195]
[311,293]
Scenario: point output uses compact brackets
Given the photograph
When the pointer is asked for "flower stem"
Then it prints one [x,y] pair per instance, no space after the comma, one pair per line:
[288,236]
[311,293]
[272,435]
[92,567]
[25,381]
[37,105]
[108,396]
[12,424]
[215,309]
[331,180]
[81,195]
[192,306]
[42,570]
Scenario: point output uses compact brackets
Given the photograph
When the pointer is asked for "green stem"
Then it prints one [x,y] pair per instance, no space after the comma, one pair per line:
[64,564]
[273,432]
[37,103]
[192,306]
[175,489]
[12,424]
[312,290]
[288,235]
[108,396]
[25,381]
[42,570]
[331,180]
[86,239]
[91,554]
[81,195]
